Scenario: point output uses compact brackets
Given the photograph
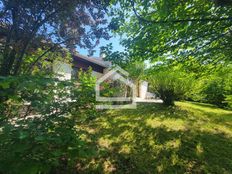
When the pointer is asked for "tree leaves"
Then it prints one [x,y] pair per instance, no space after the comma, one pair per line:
[29,25]
[161,28]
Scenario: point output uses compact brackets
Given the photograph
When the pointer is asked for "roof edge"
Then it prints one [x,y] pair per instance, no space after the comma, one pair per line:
[102,63]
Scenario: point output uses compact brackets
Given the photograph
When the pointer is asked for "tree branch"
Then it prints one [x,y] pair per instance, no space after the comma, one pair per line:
[36,27]
[43,54]
[144,20]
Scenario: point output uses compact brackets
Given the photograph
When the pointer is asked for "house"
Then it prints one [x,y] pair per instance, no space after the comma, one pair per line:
[99,68]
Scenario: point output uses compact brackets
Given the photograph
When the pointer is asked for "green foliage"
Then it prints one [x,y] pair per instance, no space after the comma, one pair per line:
[113,88]
[39,144]
[229,100]
[84,95]
[38,123]
[34,63]
[136,70]
[215,88]
[214,92]
[121,59]
[193,35]
[155,29]
[28,26]
[170,85]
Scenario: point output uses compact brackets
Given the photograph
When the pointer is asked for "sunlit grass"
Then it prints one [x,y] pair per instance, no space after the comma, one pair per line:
[188,138]
[209,118]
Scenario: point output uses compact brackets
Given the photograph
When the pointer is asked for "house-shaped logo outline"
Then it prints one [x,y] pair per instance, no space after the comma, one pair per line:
[123,77]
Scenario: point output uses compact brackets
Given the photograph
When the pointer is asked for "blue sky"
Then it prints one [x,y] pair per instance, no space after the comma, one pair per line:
[115,40]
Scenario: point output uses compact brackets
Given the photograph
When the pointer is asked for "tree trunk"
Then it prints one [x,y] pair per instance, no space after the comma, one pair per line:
[168,97]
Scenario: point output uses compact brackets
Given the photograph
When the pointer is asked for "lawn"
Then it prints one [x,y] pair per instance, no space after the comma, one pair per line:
[188,138]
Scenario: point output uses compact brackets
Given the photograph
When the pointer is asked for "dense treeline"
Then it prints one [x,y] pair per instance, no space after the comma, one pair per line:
[186,45]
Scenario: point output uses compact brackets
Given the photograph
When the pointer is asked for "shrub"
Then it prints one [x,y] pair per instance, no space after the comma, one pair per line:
[214,92]
[170,85]
[214,89]
[42,137]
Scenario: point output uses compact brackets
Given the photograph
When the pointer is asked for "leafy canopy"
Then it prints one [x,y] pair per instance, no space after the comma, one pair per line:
[29,25]
[157,29]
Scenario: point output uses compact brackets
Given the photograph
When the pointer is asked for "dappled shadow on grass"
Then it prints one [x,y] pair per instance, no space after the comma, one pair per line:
[209,113]
[154,139]
[206,105]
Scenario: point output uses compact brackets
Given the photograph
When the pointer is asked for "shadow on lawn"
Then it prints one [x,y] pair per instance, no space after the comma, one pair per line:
[211,106]
[126,142]
[211,113]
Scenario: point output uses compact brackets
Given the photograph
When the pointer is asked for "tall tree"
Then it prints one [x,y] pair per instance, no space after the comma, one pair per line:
[26,24]
[179,29]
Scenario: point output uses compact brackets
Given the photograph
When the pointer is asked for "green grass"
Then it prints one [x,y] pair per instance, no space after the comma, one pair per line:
[188,138]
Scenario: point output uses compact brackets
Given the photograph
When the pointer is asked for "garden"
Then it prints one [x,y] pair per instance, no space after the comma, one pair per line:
[50,124]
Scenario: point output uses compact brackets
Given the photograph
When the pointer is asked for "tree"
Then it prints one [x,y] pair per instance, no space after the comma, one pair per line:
[157,29]
[193,35]
[170,84]
[135,68]
[121,59]
[44,138]
[137,72]
[214,88]
[29,25]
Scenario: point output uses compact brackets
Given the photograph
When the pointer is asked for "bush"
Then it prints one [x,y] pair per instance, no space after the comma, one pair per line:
[170,85]
[41,137]
[214,89]
[214,92]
